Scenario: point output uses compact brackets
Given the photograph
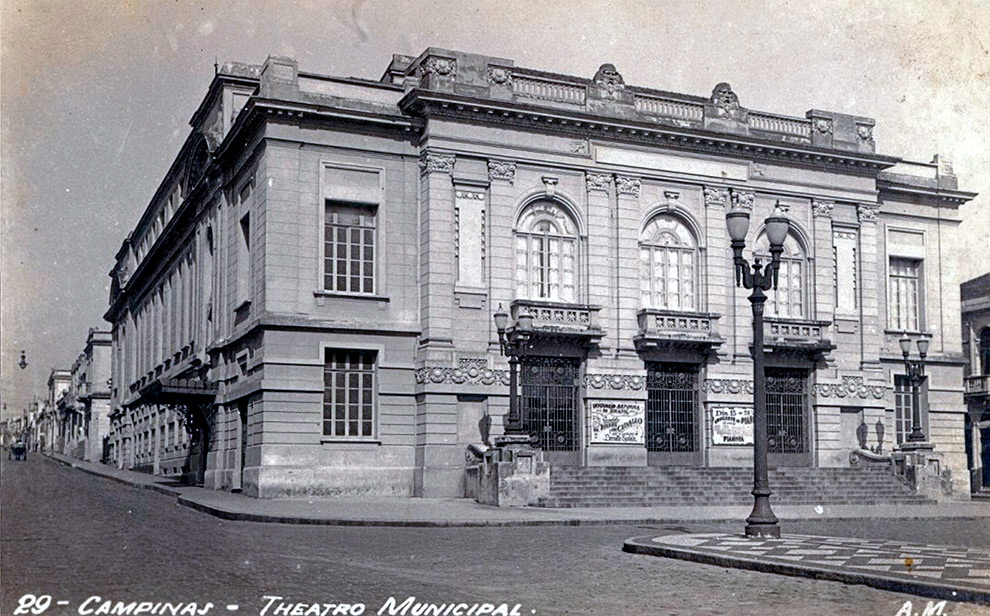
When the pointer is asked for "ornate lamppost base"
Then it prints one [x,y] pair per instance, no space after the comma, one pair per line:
[763,529]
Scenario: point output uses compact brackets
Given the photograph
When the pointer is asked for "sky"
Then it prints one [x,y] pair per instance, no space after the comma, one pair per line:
[95,100]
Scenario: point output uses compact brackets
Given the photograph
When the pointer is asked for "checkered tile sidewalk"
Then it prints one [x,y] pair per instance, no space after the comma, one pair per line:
[884,564]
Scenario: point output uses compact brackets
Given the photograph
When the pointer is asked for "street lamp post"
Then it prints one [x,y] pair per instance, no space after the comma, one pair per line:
[761,522]
[915,370]
[510,340]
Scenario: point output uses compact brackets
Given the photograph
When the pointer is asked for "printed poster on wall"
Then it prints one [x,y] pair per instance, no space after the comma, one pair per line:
[732,425]
[618,421]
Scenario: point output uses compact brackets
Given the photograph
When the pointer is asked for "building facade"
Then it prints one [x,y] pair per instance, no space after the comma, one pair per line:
[305,306]
[975,296]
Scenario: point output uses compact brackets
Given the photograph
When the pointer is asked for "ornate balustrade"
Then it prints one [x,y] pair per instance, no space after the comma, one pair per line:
[978,385]
[678,110]
[771,123]
[548,90]
[557,316]
[796,334]
[671,328]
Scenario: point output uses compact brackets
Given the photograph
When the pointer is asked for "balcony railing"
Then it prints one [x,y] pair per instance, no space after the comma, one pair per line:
[655,322]
[558,316]
[978,385]
[796,334]
[671,328]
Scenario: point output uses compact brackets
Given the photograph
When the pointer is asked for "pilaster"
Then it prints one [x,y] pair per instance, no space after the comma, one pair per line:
[500,221]
[717,264]
[871,286]
[626,249]
[437,261]
[824,279]
[598,240]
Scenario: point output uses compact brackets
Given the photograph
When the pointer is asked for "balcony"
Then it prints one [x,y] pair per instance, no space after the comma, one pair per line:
[556,321]
[798,336]
[977,386]
[672,330]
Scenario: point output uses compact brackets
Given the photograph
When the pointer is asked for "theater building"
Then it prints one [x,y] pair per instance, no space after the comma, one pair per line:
[975,296]
[306,304]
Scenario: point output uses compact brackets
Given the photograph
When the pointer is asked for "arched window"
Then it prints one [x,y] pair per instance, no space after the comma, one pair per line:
[668,265]
[546,253]
[788,299]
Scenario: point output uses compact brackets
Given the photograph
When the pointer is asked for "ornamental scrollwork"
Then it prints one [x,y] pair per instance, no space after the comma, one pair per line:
[865,132]
[501,170]
[499,75]
[822,209]
[716,196]
[868,213]
[823,126]
[633,382]
[609,81]
[437,163]
[446,67]
[731,386]
[469,374]
[628,186]
[850,387]
[743,200]
[597,181]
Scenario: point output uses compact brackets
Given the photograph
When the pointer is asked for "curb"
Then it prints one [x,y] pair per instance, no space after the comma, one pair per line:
[934,590]
[134,484]
[226,514]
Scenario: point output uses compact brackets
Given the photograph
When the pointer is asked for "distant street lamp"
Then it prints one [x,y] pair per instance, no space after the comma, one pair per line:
[761,522]
[915,370]
[23,363]
[509,341]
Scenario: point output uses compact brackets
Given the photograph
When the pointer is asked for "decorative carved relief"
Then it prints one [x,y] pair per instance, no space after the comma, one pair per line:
[628,186]
[850,387]
[597,181]
[550,185]
[823,125]
[868,213]
[725,100]
[731,386]
[716,196]
[865,132]
[501,170]
[472,375]
[609,81]
[437,163]
[499,75]
[446,67]
[822,209]
[633,382]
[743,200]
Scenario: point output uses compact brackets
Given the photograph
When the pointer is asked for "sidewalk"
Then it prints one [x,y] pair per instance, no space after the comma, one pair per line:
[942,572]
[442,512]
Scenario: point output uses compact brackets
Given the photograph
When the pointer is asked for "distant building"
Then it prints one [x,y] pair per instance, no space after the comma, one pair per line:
[305,306]
[976,348]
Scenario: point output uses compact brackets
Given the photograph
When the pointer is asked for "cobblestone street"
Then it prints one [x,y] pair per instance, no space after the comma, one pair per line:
[72,535]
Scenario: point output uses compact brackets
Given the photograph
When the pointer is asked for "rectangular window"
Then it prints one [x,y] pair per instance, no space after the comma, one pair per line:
[904,295]
[903,407]
[349,247]
[244,262]
[349,393]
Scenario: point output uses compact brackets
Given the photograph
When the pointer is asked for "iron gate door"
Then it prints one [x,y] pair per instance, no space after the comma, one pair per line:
[787,417]
[550,404]
[672,414]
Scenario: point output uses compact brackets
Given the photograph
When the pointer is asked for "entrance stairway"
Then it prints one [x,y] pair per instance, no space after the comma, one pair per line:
[653,486]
